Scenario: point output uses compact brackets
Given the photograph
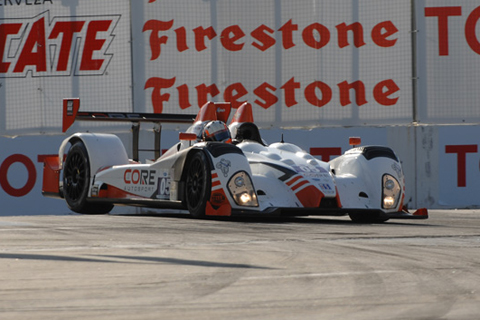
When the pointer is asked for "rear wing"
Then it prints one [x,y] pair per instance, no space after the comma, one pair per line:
[71,114]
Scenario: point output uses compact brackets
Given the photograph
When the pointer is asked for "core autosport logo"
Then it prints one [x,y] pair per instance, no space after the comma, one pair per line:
[61,46]
[142,177]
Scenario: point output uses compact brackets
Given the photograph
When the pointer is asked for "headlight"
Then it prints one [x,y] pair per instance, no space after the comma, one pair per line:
[391,192]
[241,189]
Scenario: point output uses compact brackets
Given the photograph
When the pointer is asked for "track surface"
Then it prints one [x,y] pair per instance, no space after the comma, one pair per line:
[171,267]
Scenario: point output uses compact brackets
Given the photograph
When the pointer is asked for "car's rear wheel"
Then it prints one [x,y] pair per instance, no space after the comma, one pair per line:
[76,181]
[197,184]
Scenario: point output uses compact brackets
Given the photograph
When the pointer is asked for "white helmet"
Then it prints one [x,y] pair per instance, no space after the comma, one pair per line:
[217,131]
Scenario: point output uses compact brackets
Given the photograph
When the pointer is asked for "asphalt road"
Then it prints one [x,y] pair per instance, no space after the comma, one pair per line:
[171,267]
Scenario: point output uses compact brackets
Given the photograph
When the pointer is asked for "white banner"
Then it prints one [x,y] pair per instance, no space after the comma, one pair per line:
[448,56]
[54,49]
[300,63]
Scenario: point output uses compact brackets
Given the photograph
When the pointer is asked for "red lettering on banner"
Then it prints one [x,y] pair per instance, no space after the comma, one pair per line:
[311,95]
[157,98]
[442,13]
[359,89]
[263,37]
[43,52]
[268,97]
[380,37]
[200,35]
[309,38]
[287,34]
[461,151]
[155,26]
[289,89]
[93,44]
[32,175]
[357,30]
[183,95]
[233,98]
[470,30]
[67,29]
[315,36]
[383,90]
[326,153]
[228,41]
[203,91]
[181,39]
[5,31]
[34,51]
[316,93]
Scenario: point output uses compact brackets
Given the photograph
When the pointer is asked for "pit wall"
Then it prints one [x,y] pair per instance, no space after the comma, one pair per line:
[441,163]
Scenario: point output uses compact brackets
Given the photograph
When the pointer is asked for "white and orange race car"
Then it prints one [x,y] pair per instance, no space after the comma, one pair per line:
[215,171]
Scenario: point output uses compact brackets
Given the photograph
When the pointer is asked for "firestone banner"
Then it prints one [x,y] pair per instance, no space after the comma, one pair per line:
[300,63]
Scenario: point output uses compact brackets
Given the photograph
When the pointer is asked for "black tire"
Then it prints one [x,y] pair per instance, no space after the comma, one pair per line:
[76,181]
[198,182]
[370,217]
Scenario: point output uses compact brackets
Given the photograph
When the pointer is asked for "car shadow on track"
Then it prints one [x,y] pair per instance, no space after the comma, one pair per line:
[343,220]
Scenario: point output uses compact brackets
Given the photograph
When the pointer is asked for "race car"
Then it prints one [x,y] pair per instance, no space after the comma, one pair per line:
[220,170]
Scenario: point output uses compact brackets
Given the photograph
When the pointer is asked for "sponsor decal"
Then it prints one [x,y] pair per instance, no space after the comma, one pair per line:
[163,190]
[224,165]
[398,169]
[139,180]
[218,198]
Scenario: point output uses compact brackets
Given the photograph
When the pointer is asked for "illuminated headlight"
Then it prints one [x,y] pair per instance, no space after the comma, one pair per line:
[241,189]
[391,192]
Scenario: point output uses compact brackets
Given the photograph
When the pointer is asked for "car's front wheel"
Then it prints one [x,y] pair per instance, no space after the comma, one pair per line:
[198,184]
[76,181]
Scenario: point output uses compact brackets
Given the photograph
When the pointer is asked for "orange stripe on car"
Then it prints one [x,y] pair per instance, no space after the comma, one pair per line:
[310,196]
[298,185]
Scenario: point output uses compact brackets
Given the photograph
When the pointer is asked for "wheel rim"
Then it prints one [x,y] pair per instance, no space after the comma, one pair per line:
[195,183]
[75,176]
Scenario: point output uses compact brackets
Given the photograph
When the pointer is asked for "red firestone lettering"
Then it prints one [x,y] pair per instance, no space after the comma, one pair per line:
[287,34]
[383,90]
[312,97]
[201,34]
[309,38]
[357,30]
[155,41]
[289,89]
[228,41]
[263,92]
[261,34]
[203,91]
[157,97]
[380,37]
[233,98]
[359,88]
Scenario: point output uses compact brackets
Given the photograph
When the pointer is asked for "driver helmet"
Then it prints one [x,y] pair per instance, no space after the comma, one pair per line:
[217,131]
